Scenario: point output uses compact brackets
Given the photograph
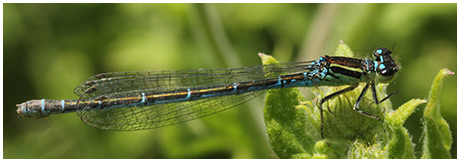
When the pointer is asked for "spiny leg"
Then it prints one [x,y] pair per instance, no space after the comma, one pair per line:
[363,92]
[328,97]
[374,95]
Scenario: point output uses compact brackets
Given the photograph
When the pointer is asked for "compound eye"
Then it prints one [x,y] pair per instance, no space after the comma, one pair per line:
[385,70]
[386,73]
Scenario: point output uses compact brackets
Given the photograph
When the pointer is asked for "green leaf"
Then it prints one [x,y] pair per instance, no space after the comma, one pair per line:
[293,124]
[343,50]
[397,118]
[400,144]
[361,150]
[331,148]
[437,138]
[292,132]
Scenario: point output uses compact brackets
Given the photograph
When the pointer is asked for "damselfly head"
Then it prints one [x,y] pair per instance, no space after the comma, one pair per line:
[386,66]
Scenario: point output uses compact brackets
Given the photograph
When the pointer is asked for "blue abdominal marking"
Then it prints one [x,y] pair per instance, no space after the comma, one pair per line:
[140,100]
[235,87]
[43,105]
[63,105]
[188,94]
[143,98]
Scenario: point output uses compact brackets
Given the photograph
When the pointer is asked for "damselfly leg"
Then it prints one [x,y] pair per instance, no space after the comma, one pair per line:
[356,105]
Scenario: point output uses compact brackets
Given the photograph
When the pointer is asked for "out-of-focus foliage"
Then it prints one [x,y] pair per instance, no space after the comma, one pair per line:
[51,48]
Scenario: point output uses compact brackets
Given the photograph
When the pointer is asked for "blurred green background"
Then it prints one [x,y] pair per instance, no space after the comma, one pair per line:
[49,49]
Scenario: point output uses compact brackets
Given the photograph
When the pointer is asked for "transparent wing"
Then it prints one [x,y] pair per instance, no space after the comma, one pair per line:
[123,84]
[160,115]
[159,81]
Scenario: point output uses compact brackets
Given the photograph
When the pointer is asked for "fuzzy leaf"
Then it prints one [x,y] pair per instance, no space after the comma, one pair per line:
[293,124]
[437,138]
[291,131]
[400,145]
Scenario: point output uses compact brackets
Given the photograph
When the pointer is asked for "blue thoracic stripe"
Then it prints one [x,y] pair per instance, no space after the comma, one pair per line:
[376,64]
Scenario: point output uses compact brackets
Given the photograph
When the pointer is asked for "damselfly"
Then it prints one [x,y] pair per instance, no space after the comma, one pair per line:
[153,99]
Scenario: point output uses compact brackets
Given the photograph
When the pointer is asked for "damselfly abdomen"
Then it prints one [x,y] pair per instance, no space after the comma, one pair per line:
[153,99]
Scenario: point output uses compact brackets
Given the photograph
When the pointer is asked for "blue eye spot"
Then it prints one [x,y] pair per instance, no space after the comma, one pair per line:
[381,66]
[379,51]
